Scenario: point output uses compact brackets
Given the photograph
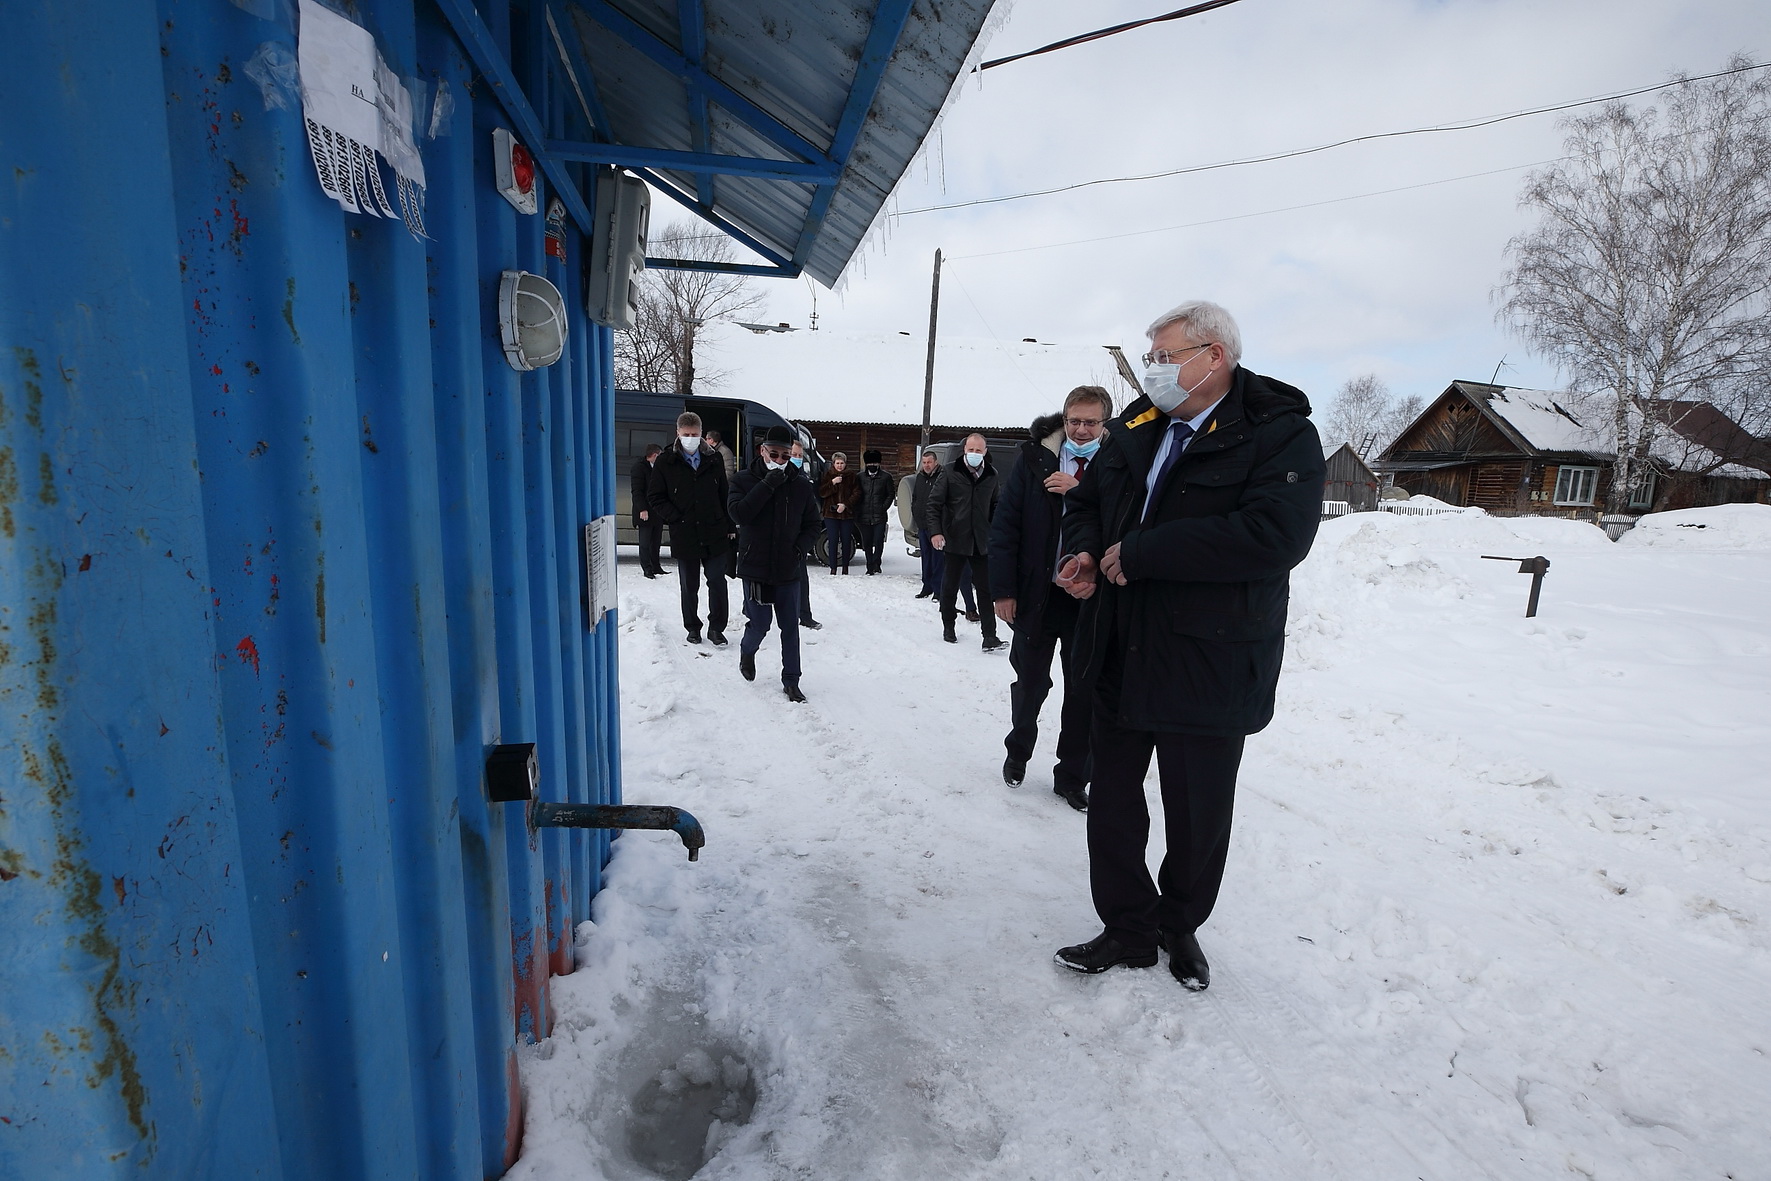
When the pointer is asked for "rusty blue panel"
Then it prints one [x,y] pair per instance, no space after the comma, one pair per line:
[285,548]
[132,1041]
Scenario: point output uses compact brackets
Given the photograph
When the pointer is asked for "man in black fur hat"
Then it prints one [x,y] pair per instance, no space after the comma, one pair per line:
[1024,546]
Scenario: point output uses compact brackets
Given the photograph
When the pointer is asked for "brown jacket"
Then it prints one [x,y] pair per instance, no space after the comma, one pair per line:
[847,493]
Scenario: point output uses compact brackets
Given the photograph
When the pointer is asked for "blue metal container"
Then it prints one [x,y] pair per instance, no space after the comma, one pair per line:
[286,547]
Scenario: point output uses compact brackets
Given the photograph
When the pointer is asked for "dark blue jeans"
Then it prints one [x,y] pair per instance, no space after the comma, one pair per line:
[783,605]
[837,543]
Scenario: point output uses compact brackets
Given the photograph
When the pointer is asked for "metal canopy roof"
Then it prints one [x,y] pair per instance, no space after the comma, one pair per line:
[785,122]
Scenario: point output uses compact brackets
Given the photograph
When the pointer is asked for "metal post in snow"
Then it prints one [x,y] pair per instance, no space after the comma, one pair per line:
[1536,567]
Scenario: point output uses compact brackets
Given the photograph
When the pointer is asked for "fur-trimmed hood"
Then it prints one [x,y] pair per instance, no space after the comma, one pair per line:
[1048,431]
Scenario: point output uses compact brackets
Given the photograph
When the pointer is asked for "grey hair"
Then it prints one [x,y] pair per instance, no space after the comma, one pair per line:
[1205,323]
[836,455]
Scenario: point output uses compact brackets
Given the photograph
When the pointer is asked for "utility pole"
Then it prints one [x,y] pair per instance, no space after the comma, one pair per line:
[685,373]
[928,379]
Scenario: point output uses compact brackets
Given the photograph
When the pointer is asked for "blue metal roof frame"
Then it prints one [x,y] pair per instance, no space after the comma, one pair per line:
[786,124]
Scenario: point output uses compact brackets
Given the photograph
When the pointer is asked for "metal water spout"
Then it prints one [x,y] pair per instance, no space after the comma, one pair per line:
[513,775]
[543,814]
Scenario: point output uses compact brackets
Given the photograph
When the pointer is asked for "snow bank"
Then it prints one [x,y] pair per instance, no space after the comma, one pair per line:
[1498,900]
[1723,527]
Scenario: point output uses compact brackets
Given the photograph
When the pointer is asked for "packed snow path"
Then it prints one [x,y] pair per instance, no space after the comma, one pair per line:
[1496,906]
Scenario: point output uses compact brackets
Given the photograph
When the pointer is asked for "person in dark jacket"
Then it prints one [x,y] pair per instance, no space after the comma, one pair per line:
[839,491]
[650,529]
[688,492]
[934,563]
[878,493]
[777,514]
[1182,535]
[960,507]
[1024,546]
[798,460]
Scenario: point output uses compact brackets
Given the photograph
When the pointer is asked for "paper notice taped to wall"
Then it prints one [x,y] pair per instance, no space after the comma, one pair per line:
[356,109]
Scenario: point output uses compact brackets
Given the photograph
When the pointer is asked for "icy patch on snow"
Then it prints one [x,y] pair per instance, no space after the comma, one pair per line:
[1723,527]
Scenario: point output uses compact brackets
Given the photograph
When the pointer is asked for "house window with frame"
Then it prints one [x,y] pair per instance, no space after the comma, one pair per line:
[1642,495]
[1575,485]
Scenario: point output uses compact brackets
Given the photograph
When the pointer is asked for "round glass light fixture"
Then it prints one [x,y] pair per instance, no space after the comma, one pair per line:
[531,320]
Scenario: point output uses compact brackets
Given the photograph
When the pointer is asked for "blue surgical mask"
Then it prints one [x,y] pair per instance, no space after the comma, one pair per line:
[1162,383]
[1085,450]
[798,461]
[974,458]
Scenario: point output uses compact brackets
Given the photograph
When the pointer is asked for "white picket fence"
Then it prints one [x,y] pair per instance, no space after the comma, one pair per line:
[1402,508]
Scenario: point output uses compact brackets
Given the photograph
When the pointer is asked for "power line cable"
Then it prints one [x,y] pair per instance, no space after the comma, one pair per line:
[1098,34]
[1257,213]
[1471,125]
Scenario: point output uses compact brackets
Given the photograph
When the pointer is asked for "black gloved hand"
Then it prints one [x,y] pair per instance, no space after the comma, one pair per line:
[775,477]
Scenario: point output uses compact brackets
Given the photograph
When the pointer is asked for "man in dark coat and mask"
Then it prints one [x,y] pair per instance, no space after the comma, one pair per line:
[776,509]
[1183,532]
[1024,546]
[960,507]
[878,495]
[688,492]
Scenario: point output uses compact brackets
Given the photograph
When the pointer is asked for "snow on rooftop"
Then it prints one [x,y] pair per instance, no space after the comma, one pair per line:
[829,375]
[1544,420]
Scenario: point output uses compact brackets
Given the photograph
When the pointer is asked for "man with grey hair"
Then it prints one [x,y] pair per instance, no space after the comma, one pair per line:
[1180,540]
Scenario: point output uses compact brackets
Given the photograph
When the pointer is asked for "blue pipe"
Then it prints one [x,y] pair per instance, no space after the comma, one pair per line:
[543,814]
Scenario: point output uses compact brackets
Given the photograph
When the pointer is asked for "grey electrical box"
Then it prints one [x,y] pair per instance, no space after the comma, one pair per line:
[617,252]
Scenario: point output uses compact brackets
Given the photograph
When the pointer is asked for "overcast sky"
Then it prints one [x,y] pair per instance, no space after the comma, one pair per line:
[1399,284]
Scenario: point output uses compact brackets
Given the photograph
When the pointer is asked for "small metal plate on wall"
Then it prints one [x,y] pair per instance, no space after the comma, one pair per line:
[513,774]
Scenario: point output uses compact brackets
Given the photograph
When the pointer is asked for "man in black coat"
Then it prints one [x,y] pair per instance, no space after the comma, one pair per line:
[1024,547]
[688,492]
[879,492]
[922,483]
[1184,530]
[776,509]
[651,530]
[960,507]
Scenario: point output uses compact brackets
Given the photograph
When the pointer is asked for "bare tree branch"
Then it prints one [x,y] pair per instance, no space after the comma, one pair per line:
[660,351]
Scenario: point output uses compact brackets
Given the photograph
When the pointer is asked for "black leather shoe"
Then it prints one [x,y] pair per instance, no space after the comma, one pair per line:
[792,692]
[1014,771]
[991,643]
[649,574]
[1103,952]
[717,639]
[695,637]
[1076,797]
[971,616]
[1186,961]
[811,623]
[948,634]
[926,595]
[747,665]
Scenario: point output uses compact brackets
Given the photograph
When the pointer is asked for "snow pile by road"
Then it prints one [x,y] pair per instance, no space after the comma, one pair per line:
[1496,907]
[1728,526]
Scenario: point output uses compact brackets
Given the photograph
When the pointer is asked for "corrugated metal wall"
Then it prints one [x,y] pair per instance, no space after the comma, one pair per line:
[285,547]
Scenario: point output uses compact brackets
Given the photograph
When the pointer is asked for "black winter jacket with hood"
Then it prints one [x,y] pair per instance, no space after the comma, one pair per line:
[777,523]
[961,505]
[1024,533]
[1200,624]
[692,501]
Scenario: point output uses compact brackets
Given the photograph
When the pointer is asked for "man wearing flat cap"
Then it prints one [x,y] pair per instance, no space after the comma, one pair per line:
[776,510]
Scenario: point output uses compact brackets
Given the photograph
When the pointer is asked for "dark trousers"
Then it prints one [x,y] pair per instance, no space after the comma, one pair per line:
[945,562]
[805,594]
[688,572]
[780,600]
[934,567]
[651,537]
[1030,655]
[978,566]
[1198,778]
[873,539]
[839,543]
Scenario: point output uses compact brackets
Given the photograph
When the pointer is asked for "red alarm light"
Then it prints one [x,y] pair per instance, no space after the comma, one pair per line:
[515,168]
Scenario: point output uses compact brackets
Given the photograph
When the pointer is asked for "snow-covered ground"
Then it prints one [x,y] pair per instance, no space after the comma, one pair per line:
[1496,908]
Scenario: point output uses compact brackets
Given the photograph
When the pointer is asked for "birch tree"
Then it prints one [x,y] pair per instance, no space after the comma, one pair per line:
[1646,276]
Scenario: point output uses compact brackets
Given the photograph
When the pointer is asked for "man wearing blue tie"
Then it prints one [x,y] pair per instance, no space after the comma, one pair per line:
[1180,540]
